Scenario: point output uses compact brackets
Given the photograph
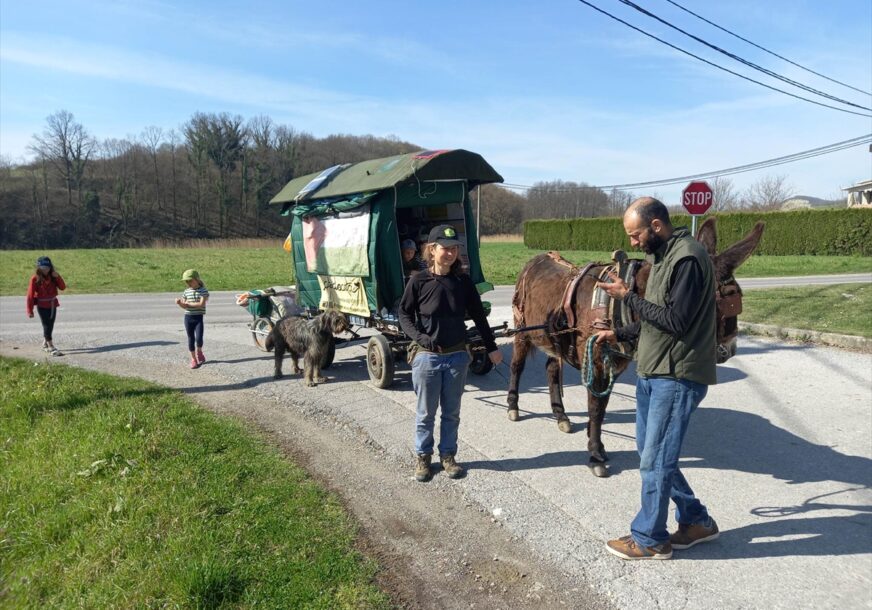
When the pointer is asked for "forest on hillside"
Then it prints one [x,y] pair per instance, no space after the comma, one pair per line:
[214,177]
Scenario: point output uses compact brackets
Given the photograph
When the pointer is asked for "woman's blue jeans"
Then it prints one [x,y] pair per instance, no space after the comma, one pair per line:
[438,380]
[663,409]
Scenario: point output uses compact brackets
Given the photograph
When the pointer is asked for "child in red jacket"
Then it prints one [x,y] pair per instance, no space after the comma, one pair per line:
[43,293]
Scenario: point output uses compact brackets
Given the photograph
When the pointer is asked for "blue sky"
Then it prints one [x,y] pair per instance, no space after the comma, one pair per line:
[544,90]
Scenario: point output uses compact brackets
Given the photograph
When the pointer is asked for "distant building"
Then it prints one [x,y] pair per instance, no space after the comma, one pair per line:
[860,194]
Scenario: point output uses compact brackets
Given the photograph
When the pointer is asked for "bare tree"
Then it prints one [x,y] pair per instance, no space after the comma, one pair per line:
[724,194]
[619,201]
[118,164]
[768,193]
[559,199]
[173,143]
[151,138]
[67,147]
[502,211]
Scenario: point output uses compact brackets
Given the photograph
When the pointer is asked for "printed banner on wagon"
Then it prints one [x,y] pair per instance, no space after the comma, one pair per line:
[343,293]
[337,245]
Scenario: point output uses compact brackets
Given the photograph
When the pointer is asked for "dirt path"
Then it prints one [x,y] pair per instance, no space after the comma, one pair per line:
[435,549]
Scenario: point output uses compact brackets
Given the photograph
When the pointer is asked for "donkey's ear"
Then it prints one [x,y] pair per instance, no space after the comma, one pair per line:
[708,237]
[730,259]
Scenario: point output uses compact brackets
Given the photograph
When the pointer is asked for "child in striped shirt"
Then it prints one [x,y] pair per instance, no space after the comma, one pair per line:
[193,301]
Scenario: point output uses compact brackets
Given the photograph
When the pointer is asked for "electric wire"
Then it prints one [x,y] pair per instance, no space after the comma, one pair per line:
[719,67]
[806,154]
[764,49]
[741,60]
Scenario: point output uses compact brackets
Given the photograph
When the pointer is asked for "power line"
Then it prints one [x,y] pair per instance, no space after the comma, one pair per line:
[753,44]
[806,154]
[719,67]
[741,60]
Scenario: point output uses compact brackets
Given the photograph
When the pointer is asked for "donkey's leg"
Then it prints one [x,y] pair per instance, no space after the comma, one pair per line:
[596,411]
[520,348]
[552,371]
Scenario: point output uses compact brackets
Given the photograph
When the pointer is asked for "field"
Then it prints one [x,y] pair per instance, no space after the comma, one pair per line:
[121,494]
[242,266]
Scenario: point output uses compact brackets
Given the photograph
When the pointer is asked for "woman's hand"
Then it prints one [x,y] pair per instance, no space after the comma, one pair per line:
[495,356]
[29,314]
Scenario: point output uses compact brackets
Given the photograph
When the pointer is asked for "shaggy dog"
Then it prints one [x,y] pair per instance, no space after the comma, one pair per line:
[307,338]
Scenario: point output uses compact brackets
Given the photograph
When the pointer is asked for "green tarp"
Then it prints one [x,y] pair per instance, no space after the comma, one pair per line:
[379,174]
[435,181]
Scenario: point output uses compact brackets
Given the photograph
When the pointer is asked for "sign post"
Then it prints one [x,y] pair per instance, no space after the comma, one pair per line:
[697,197]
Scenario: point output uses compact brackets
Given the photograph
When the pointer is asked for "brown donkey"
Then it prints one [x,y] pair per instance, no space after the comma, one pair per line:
[561,301]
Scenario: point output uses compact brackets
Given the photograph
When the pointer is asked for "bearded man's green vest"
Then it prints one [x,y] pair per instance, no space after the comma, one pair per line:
[692,356]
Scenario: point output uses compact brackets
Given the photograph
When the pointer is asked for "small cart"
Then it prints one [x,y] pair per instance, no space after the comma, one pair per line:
[347,223]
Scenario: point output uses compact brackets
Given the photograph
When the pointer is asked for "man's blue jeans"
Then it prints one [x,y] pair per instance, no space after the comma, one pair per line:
[663,409]
[438,380]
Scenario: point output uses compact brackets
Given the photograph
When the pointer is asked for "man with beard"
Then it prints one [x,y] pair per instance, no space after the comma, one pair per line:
[675,365]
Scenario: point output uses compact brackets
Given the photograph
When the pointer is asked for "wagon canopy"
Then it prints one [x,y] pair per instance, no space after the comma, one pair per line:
[348,221]
[380,174]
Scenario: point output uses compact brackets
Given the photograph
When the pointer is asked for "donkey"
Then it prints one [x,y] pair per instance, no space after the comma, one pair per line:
[562,302]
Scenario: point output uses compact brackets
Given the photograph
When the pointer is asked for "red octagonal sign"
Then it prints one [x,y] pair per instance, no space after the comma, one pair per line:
[697,198]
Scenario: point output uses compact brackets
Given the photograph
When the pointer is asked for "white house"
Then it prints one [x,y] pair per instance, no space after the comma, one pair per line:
[860,194]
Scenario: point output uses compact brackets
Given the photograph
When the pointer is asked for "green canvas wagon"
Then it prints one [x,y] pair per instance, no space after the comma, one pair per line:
[347,224]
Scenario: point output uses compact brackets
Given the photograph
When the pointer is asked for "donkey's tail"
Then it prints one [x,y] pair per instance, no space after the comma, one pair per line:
[270,341]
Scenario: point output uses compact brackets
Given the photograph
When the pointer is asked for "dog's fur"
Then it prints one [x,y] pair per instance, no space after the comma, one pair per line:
[309,339]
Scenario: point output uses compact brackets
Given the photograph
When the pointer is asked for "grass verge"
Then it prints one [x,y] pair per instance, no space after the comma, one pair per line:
[839,308]
[244,268]
[121,494]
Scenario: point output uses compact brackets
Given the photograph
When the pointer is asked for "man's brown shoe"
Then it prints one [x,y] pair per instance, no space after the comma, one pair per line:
[422,468]
[688,535]
[627,548]
[452,469]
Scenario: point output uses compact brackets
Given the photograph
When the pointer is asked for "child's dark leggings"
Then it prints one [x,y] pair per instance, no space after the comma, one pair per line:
[47,316]
[194,328]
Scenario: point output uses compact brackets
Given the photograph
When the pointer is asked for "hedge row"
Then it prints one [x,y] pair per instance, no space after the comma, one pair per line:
[845,232]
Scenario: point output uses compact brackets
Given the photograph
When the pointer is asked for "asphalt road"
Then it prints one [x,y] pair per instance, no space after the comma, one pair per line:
[780,451]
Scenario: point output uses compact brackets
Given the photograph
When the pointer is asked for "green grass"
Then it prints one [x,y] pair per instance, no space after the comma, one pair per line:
[151,269]
[839,308]
[222,268]
[115,493]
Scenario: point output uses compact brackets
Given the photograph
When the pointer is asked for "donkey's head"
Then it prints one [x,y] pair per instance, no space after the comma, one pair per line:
[728,294]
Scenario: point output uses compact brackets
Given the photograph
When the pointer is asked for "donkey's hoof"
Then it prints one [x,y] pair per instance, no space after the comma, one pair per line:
[564,425]
[513,415]
[599,470]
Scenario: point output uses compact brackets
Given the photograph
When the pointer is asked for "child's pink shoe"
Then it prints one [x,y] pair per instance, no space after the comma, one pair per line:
[200,357]
[194,363]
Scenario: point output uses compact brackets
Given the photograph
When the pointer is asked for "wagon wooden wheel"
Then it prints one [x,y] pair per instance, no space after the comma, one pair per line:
[380,361]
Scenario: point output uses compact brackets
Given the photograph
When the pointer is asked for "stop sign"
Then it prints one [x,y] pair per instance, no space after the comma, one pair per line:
[697,198]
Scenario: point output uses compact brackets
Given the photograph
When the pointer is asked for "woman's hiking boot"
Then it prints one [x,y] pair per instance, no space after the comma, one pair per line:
[194,363]
[200,357]
[452,469]
[422,468]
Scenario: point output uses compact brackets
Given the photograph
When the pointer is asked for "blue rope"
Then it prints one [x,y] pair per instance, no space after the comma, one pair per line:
[587,373]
